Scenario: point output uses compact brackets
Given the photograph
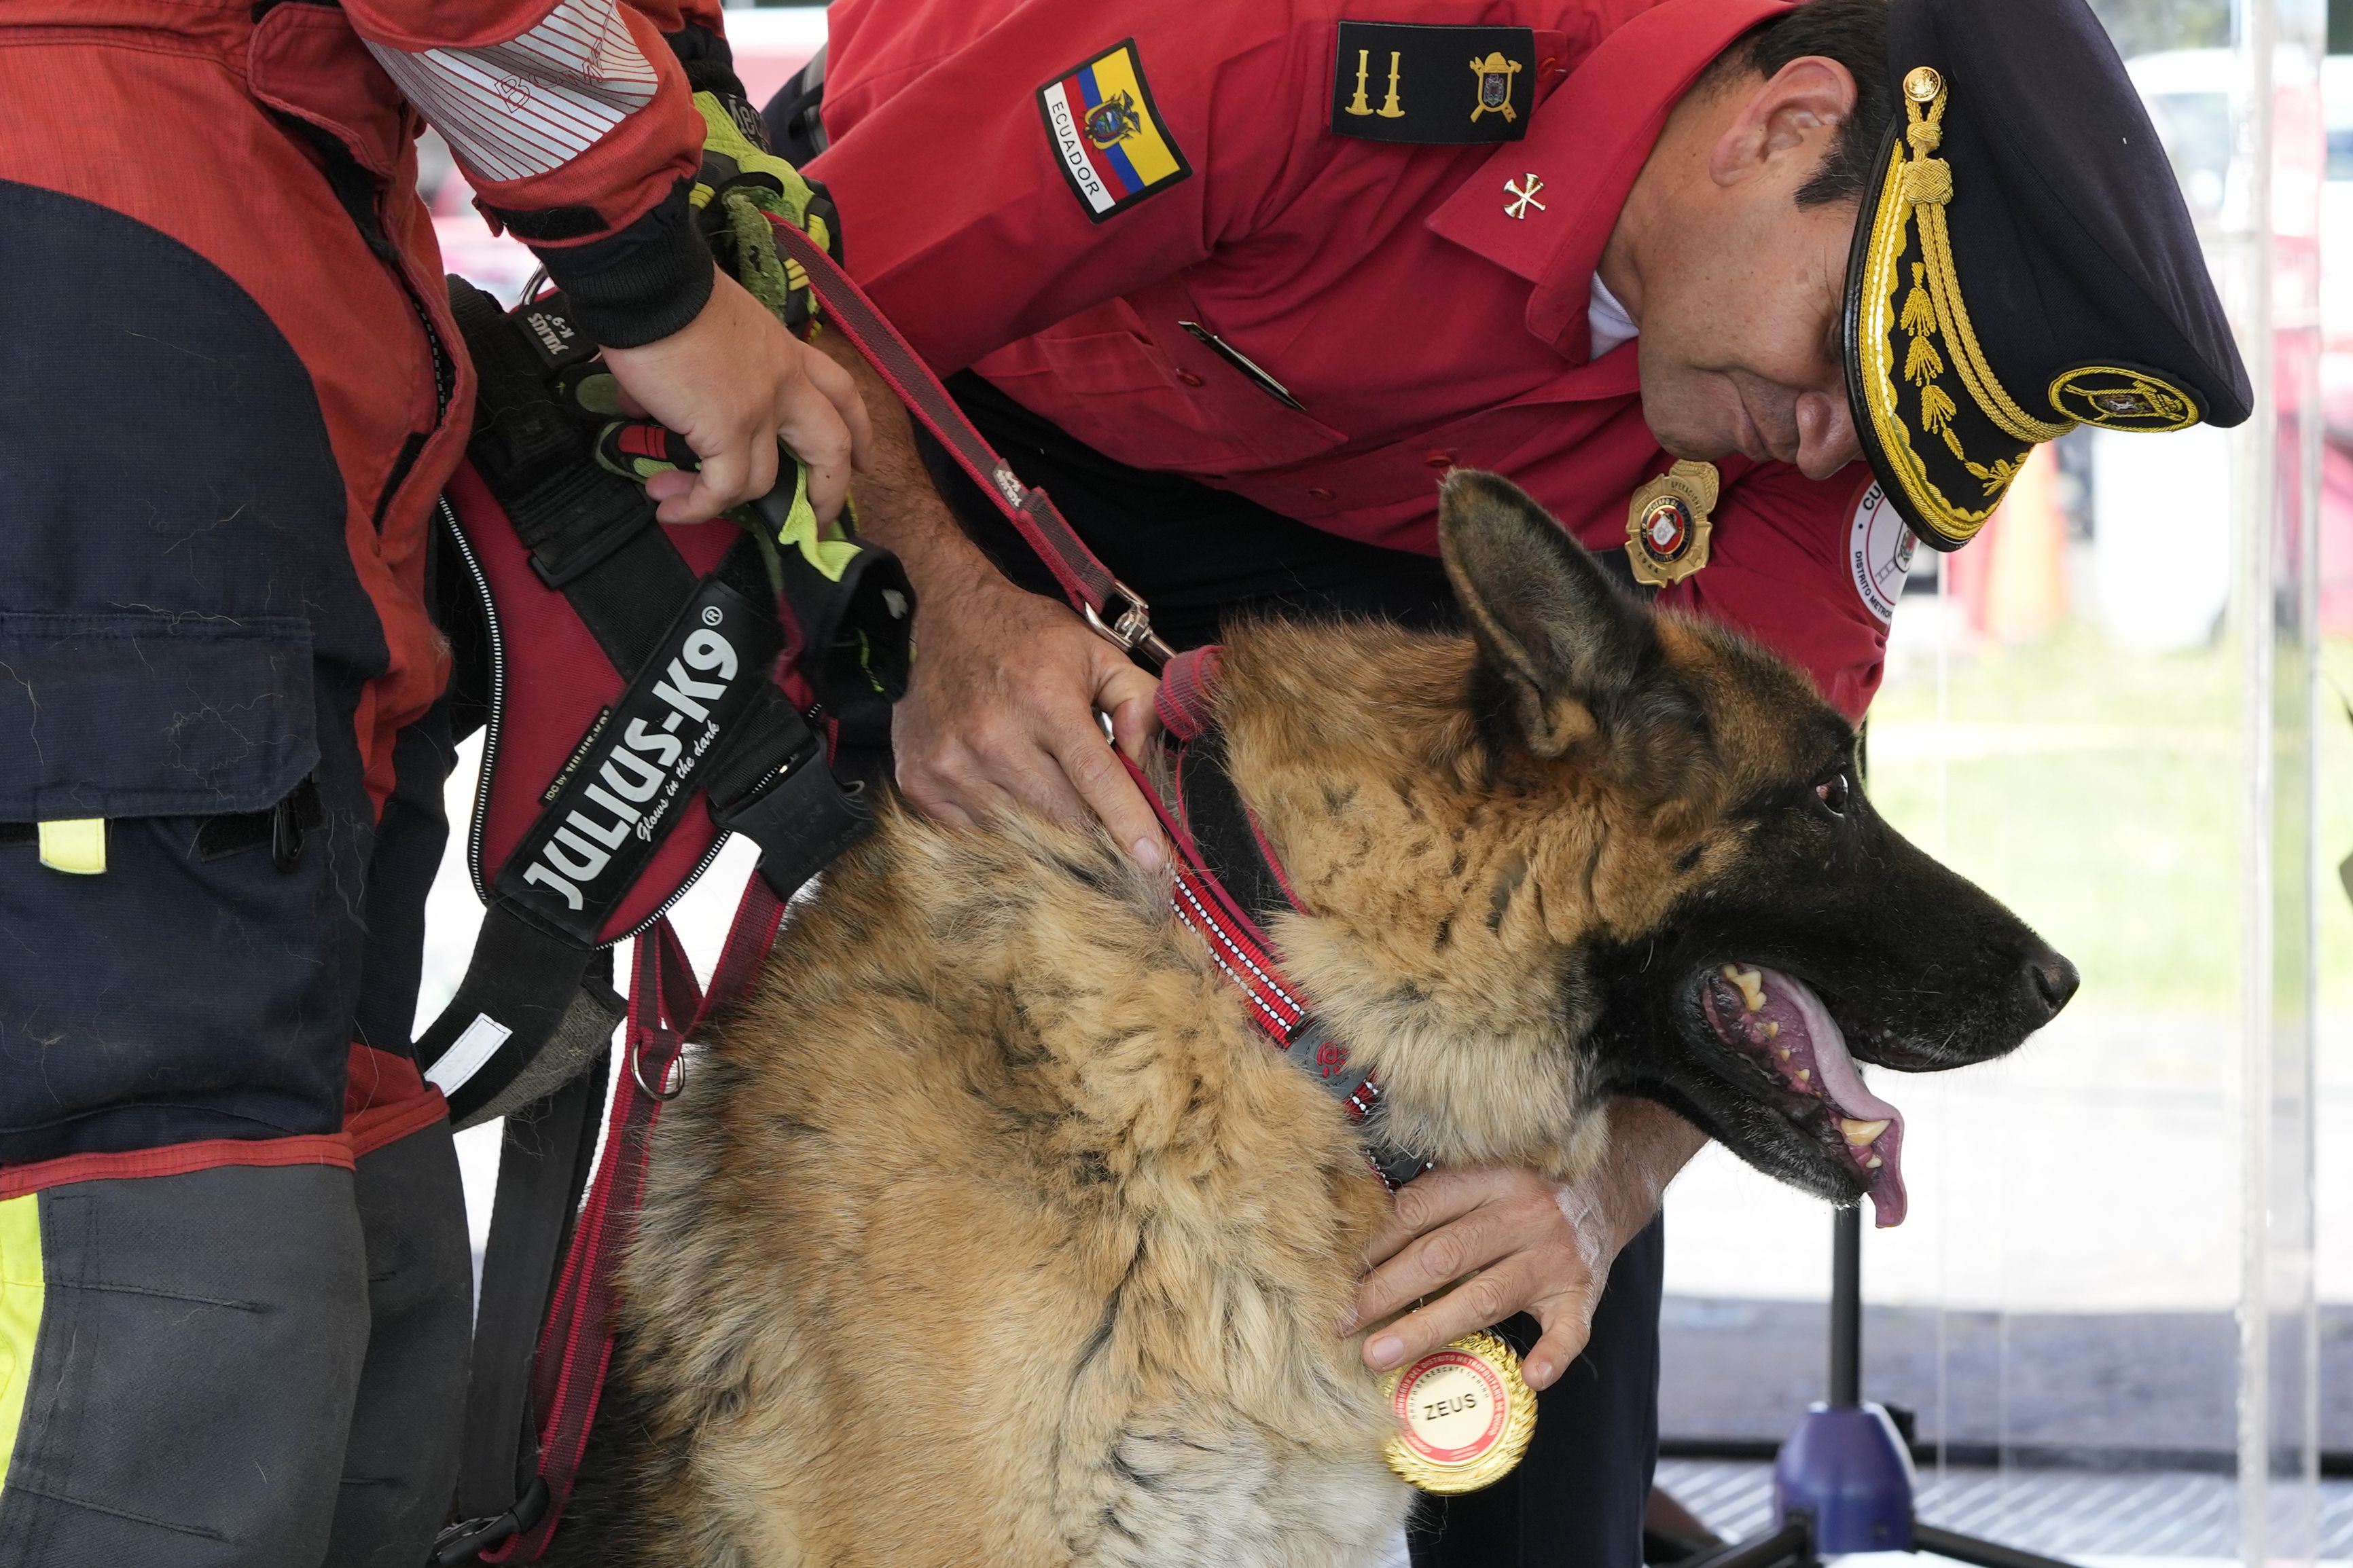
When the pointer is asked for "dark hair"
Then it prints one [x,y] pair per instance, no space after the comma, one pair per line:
[1855,34]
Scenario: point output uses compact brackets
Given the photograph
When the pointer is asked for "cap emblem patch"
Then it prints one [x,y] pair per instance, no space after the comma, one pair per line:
[2117,399]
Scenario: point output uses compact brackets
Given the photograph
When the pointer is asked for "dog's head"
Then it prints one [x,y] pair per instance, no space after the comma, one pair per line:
[1660,877]
[1803,932]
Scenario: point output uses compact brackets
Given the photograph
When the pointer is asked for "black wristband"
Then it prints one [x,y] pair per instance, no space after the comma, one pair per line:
[640,283]
[709,64]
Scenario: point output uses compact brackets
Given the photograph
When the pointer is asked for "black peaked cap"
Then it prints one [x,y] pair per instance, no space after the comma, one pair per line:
[2023,261]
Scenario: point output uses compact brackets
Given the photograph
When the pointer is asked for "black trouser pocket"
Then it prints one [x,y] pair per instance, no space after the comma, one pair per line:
[180,924]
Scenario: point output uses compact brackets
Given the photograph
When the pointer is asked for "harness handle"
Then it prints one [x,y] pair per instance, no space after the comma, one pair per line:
[1114,611]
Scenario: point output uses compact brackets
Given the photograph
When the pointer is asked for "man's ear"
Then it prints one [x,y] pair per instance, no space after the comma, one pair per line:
[1570,645]
[1803,103]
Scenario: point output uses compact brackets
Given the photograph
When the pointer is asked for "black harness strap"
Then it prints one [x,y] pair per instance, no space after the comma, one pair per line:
[544,1159]
[525,994]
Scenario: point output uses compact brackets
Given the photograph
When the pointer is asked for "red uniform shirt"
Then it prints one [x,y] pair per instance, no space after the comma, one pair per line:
[1384,286]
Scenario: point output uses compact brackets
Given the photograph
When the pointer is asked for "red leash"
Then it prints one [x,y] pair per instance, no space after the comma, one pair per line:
[1237,944]
[575,1346]
[1112,608]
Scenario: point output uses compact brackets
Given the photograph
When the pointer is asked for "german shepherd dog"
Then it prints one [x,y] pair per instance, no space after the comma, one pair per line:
[990,1230]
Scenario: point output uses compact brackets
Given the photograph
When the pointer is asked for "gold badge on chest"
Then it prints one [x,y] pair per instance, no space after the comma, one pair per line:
[1464,1415]
[1667,525]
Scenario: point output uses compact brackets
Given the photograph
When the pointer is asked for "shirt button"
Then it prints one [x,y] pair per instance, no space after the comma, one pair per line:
[1188,378]
[1439,460]
[1319,493]
[1548,67]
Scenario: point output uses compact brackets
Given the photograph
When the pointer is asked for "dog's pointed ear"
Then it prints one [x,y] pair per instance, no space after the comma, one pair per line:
[1569,642]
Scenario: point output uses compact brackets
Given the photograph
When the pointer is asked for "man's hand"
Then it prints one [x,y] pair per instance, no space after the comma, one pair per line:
[734,382]
[1000,711]
[1001,703]
[1518,1243]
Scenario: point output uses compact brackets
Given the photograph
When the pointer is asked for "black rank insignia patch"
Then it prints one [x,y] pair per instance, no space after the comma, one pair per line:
[1431,85]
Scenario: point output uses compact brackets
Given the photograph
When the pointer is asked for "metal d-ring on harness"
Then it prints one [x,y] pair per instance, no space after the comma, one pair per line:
[673,1080]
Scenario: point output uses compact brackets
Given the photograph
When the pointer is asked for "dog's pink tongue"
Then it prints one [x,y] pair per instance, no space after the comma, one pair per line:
[1842,1086]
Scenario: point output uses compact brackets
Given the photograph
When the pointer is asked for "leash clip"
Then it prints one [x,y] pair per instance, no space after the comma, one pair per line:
[465,1541]
[1125,622]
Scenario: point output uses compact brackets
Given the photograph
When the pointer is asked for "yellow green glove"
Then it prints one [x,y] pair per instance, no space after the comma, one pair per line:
[739,187]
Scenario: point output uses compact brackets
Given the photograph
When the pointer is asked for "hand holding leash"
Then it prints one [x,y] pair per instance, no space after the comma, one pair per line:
[1000,705]
[1000,709]
[735,382]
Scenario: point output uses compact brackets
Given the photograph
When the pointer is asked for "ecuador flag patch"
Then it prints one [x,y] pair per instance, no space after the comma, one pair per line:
[1107,135]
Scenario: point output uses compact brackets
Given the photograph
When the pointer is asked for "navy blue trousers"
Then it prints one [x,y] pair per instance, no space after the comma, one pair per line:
[252,1300]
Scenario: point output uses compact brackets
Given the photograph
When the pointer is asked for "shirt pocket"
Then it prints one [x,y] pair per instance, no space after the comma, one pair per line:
[1154,400]
[121,716]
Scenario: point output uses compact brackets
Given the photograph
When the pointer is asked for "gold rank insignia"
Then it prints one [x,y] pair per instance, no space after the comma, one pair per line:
[1495,74]
[1402,81]
[1464,1415]
[1667,524]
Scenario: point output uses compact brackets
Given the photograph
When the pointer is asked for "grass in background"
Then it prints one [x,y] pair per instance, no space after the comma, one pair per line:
[2100,793]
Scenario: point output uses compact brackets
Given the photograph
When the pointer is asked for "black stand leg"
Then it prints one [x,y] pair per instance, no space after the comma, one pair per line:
[1846,1308]
[1984,1553]
[1790,1545]
[1842,1472]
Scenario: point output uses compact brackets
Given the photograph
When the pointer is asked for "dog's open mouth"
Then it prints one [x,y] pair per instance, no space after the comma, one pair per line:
[1783,1027]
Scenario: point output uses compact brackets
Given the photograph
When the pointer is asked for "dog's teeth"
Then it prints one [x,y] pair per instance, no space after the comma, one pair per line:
[1751,984]
[1859,1134]
[1781,1051]
[1873,1162]
[1772,1031]
[1804,1075]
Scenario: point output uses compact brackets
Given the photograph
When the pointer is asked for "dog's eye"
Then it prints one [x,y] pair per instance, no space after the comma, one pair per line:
[1832,792]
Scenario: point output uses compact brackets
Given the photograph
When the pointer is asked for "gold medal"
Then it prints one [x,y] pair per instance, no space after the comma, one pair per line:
[1667,525]
[1464,1415]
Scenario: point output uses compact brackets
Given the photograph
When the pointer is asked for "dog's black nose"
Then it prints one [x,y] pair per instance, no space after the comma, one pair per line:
[2050,980]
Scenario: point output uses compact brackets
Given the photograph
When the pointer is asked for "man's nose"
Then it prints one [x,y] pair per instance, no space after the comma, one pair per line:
[1826,437]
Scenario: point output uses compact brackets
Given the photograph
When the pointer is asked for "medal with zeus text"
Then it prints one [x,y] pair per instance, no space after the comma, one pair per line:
[1464,1415]
[1667,524]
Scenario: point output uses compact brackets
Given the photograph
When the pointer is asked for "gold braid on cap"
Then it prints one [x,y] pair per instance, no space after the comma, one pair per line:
[1915,192]
[1927,186]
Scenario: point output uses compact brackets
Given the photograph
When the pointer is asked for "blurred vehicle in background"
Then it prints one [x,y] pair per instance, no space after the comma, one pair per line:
[2160,508]
[2337,348]
[770,44]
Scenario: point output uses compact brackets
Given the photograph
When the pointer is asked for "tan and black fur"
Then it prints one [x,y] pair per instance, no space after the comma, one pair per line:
[990,1231]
